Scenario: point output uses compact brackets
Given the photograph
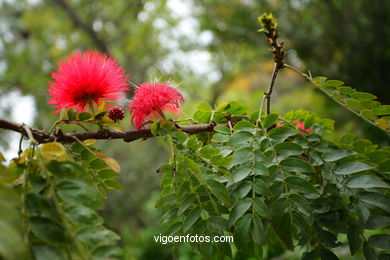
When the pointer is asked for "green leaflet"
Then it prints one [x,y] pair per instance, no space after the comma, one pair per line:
[351,167]
[361,103]
[295,186]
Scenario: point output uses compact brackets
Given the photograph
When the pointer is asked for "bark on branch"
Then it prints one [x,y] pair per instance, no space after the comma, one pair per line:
[128,136]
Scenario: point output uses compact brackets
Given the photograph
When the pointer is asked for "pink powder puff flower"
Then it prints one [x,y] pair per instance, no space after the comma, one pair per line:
[86,78]
[151,99]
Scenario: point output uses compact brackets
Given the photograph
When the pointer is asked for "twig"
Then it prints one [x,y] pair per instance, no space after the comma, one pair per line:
[43,137]
[20,151]
[269,28]
[268,94]
[28,132]
[328,94]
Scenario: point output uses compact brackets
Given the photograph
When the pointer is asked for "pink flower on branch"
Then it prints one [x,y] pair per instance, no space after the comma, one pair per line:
[86,78]
[151,99]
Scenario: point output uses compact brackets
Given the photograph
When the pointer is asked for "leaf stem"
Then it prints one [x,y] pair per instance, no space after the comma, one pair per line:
[328,94]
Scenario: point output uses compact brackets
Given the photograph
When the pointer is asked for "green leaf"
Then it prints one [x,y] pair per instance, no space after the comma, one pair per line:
[241,231]
[239,210]
[80,215]
[302,184]
[97,236]
[260,169]
[378,156]
[261,188]
[203,113]
[243,189]
[233,108]
[107,252]
[288,149]
[354,239]
[108,174]
[281,133]
[334,83]
[84,116]
[46,252]
[380,240]
[98,164]
[327,255]
[336,155]
[154,128]
[219,223]
[369,252]
[363,213]
[296,165]
[113,185]
[220,191]
[188,201]
[208,151]
[169,215]
[284,230]
[222,129]
[346,90]
[80,194]
[258,234]
[269,120]
[174,229]
[220,138]
[302,204]
[242,155]
[384,166]
[382,110]
[191,218]
[64,114]
[363,95]
[377,222]
[367,113]
[376,199]
[347,168]
[71,114]
[244,126]
[365,182]
[47,230]
[166,200]
[37,205]
[312,255]
[221,161]
[302,223]
[352,103]
[241,173]
[240,137]
[277,210]
[260,207]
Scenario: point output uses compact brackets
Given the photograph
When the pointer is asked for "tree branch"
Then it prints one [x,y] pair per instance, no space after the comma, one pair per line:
[268,94]
[128,136]
[269,28]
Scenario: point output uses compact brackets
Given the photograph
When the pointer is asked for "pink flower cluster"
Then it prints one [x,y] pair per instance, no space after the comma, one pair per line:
[84,79]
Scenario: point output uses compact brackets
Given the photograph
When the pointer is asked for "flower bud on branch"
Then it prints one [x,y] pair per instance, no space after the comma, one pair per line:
[269,28]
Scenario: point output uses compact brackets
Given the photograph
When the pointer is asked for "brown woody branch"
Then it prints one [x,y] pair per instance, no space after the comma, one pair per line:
[269,28]
[128,136]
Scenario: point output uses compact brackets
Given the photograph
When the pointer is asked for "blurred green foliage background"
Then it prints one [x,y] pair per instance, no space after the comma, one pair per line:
[212,48]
